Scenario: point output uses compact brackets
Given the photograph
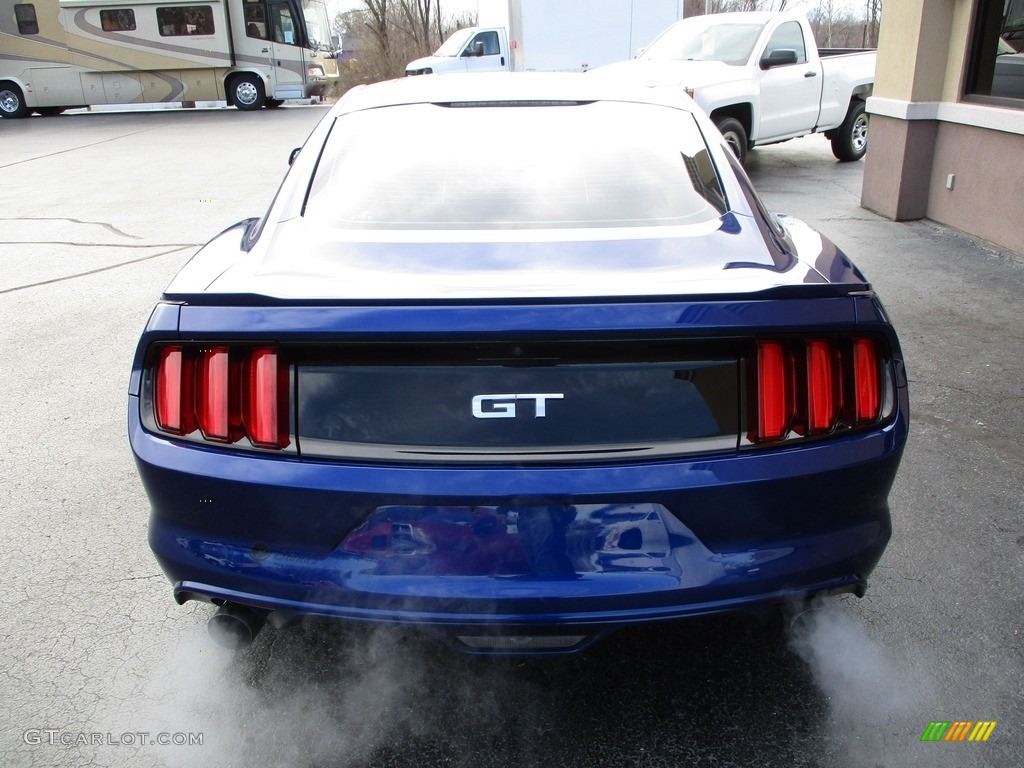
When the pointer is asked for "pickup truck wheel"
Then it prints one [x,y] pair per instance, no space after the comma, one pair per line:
[12,103]
[735,136]
[851,140]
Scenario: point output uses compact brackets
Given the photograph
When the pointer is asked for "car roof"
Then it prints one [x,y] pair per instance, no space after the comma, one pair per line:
[508,87]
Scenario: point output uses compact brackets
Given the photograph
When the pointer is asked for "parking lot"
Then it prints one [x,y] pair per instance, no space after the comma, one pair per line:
[99,666]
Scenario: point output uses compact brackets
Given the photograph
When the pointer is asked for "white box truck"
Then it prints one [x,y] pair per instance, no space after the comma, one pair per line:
[550,35]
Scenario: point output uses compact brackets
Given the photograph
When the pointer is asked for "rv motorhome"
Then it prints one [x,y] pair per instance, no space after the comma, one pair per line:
[58,54]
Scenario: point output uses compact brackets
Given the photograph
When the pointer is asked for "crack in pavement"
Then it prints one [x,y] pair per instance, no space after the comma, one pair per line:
[75,149]
[100,245]
[91,271]
[108,227]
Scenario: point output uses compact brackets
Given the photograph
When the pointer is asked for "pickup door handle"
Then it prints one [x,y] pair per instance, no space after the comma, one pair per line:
[812,73]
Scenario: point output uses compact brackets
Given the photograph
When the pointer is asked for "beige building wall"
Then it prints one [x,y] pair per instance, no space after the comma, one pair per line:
[932,153]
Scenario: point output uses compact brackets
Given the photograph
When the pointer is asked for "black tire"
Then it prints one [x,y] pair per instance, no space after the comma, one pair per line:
[851,139]
[12,101]
[49,111]
[735,136]
[247,92]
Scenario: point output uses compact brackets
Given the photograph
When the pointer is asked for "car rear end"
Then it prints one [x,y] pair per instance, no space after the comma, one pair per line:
[645,467]
[515,468]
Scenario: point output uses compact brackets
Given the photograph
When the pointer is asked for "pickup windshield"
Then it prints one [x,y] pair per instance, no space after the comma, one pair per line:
[706,39]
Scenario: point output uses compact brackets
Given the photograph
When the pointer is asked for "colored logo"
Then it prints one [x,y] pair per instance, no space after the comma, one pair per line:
[958,730]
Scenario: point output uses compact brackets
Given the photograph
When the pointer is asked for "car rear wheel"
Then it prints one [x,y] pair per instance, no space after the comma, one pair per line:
[247,92]
[735,136]
[850,142]
[12,102]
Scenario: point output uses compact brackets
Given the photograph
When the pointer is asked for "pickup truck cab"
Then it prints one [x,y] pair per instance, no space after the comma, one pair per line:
[762,79]
[471,49]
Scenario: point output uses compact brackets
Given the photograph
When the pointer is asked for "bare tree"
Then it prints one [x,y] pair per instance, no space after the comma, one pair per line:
[377,13]
[835,26]
[384,35]
[872,18]
[417,15]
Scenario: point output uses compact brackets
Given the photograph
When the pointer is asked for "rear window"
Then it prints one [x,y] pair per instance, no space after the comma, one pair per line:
[602,164]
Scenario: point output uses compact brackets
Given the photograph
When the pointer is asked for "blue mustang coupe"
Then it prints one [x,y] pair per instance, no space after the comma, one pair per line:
[519,360]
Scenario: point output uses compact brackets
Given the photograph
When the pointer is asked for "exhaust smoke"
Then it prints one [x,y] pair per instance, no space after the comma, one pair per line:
[879,702]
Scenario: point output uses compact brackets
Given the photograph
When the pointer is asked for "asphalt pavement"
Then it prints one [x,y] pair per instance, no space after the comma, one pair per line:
[99,666]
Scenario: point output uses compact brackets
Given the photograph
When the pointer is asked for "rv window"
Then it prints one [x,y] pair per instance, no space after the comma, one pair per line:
[26,16]
[121,20]
[255,21]
[185,20]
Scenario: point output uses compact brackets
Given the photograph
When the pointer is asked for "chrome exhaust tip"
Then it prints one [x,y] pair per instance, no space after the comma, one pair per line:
[235,626]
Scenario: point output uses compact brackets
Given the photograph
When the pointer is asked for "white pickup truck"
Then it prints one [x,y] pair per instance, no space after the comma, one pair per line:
[762,79]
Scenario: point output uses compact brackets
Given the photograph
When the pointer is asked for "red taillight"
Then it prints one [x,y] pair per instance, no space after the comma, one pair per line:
[214,395]
[865,381]
[226,392]
[172,391]
[264,414]
[774,411]
[821,386]
[814,387]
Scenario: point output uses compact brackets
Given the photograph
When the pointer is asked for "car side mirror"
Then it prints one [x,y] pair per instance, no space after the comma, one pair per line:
[780,57]
[293,155]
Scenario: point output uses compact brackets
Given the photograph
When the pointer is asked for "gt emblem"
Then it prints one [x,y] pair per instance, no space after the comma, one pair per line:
[504,406]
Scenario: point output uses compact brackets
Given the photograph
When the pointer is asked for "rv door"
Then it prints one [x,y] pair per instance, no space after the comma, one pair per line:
[287,43]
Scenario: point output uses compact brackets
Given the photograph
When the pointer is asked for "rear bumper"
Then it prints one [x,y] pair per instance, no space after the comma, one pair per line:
[743,529]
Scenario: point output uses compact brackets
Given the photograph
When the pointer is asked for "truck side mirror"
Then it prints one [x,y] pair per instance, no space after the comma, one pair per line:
[780,57]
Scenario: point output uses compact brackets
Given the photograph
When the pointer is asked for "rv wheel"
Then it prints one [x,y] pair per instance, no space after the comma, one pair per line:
[12,103]
[247,92]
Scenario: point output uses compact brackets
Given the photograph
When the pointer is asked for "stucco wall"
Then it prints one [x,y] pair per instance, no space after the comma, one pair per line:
[897,172]
[917,40]
[922,129]
[987,198]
